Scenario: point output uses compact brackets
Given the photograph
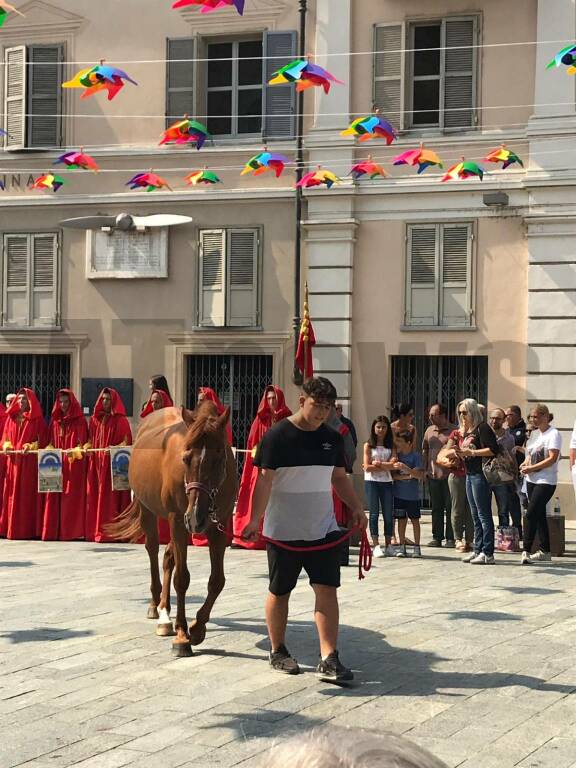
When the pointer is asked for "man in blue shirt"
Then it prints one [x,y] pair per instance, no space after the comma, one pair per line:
[408,471]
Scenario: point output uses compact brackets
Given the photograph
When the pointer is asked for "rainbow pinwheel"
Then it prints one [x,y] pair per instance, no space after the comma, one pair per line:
[5,9]
[186,131]
[48,181]
[206,6]
[78,160]
[566,56]
[423,158]
[265,161]
[465,169]
[370,127]
[504,156]
[100,78]
[305,75]
[367,168]
[317,178]
[149,181]
[202,177]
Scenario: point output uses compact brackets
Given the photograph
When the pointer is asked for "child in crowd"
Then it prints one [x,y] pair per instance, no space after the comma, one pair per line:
[408,470]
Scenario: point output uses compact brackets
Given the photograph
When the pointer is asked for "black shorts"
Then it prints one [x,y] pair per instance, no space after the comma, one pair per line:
[406,508]
[284,567]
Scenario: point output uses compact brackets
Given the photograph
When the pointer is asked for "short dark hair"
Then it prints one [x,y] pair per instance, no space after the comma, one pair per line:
[515,409]
[320,389]
[405,435]
[401,409]
[442,410]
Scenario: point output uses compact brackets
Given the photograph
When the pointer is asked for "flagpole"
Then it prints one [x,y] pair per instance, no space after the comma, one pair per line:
[297,376]
[306,334]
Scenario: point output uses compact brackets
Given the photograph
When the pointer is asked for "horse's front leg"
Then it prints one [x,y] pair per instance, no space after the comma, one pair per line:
[165,628]
[217,541]
[150,528]
[179,535]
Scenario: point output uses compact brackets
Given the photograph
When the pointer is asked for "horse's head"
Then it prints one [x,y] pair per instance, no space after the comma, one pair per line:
[204,458]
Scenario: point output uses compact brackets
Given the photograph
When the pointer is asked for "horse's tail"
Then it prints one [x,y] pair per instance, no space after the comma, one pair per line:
[128,525]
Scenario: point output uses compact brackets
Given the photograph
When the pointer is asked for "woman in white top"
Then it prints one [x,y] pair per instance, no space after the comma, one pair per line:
[541,471]
[379,458]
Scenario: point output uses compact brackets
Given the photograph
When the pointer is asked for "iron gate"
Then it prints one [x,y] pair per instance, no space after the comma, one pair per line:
[424,380]
[238,380]
[45,374]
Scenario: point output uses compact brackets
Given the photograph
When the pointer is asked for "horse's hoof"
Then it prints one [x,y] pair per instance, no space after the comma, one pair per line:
[152,612]
[197,633]
[181,650]
[165,630]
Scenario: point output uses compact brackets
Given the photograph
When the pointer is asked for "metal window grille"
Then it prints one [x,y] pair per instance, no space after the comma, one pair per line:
[45,374]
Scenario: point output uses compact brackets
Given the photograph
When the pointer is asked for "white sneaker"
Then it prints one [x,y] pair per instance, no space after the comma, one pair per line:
[525,559]
[401,551]
[377,551]
[489,560]
[541,557]
[390,551]
[469,557]
[479,559]
[416,552]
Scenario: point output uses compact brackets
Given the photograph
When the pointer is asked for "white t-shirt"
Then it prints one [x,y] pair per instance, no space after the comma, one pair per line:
[573,438]
[382,454]
[537,450]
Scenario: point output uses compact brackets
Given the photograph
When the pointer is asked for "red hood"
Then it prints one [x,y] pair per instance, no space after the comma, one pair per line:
[35,411]
[117,404]
[149,408]
[209,394]
[282,410]
[74,411]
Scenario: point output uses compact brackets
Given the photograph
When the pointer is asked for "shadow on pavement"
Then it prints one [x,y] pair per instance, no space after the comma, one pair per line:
[43,634]
[532,590]
[479,616]
[17,564]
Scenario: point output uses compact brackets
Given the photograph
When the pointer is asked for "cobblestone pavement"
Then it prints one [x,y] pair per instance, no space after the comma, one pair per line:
[476,663]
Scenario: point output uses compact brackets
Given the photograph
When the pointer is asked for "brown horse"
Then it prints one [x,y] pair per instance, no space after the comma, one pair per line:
[182,469]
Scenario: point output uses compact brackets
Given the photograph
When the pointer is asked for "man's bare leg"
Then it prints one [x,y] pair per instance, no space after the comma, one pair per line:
[326,616]
[277,618]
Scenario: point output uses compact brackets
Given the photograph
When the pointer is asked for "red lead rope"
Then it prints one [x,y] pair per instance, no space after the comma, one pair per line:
[364,559]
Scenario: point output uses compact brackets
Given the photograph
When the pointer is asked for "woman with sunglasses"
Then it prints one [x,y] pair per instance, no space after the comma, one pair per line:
[541,472]
[476,443]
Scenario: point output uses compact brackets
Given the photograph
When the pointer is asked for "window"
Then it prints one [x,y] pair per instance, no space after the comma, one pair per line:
[425,73]
[229,90]
[133,254]
[228,278]
[439,275]
[30,296]
[33,96]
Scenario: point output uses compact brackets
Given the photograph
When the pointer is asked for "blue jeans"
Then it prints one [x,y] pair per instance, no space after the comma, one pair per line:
[480,500]
[502,494]
[380,495]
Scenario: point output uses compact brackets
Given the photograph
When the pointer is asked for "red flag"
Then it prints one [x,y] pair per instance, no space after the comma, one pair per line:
[306,341]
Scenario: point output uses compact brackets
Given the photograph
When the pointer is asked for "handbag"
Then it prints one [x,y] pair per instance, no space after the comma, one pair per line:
[500,469]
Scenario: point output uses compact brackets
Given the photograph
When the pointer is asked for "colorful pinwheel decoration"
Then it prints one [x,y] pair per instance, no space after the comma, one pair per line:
[48,181]
[504,156]
[423,158]
[265,161]
[148,181]
[186,131]
[206,6]
[202,177]
[370,127]
[305,75]
[465,169]
[317,178]
[78,160]
[367,168]
[5,9]
[100,78]
[566,56]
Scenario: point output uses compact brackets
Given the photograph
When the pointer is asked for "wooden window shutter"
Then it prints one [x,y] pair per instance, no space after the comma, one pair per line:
[16,282]
[212,277]
[460,70]
[456,257]
[422,275]
[242,278]
[44,83]
[15,97]
[389,68]
[180,77]
[279,100]
[44,282]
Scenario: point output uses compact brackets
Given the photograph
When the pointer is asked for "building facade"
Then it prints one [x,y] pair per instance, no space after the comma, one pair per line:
[419,290]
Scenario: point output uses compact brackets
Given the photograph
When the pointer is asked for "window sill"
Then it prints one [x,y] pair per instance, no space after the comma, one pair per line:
[227,328]
[450,328]
[30,328]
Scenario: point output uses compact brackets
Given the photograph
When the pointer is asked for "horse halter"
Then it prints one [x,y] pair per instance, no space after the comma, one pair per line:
[196,485]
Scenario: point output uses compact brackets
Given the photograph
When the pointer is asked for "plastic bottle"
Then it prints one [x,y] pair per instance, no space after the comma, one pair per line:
[557,510]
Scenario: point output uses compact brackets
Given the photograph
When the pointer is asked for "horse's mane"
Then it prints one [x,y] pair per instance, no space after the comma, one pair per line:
[204,425]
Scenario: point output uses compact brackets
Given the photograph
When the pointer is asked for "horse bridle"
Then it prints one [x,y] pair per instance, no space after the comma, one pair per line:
[196,485]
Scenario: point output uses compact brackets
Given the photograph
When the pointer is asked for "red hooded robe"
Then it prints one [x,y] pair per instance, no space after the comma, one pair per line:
[22,504]
[103,504]
[265,418]
[65,513]
[199,539]
[163,525]
[3,418]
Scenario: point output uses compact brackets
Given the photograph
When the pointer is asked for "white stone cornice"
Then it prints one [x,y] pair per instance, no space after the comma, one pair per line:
[258,14]
[41,20]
